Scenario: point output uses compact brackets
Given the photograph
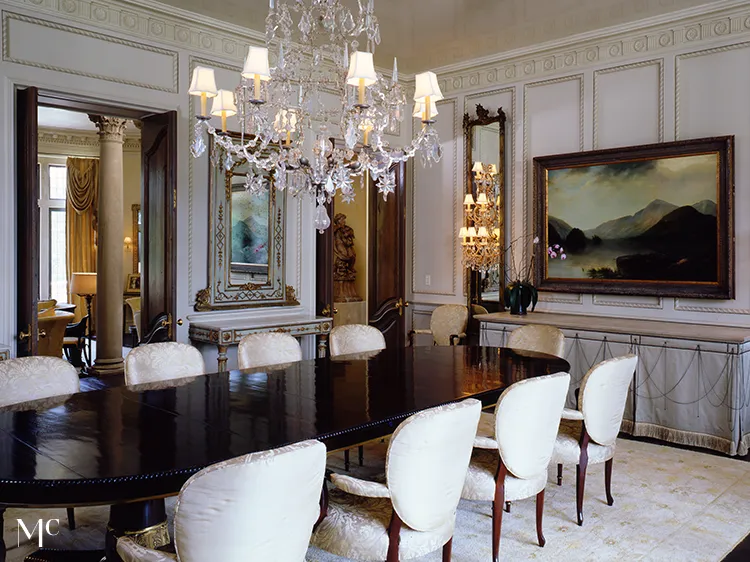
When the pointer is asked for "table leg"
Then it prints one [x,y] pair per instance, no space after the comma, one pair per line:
[222,358]
[322,345]
[2,541]
[144,522]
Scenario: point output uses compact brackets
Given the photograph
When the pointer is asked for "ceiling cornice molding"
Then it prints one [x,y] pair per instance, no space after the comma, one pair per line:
[645,38]
[75,137]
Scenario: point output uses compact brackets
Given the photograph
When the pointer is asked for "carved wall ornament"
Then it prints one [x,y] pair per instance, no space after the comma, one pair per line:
[110,128]
[344,257]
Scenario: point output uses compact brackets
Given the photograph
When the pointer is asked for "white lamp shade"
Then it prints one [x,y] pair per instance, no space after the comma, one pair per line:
[427,85]
[472,232]
[478,167]
[492,169]
[203,82]
[83,283]
[463,232]
[256,63]
[482,199]
[224,103]
[419,109]
[468,200]
[361,67]
[482,233]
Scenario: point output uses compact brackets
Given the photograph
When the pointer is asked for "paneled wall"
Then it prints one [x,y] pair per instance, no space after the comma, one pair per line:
[674,80]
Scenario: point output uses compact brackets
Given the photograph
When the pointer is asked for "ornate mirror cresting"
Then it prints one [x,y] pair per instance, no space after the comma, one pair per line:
[246,255]
[483,235]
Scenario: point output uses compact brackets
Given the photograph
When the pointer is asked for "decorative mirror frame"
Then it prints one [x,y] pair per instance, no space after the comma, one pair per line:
[136,235]
[222,293]
[473,279]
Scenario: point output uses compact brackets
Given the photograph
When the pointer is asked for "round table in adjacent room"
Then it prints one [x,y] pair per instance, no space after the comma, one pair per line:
[129,447]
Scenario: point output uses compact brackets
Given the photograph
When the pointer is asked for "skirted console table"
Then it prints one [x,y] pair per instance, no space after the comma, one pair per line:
[228,332]
[692,383]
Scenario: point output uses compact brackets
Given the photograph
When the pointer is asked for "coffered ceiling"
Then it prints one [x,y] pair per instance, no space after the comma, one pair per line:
[427,34]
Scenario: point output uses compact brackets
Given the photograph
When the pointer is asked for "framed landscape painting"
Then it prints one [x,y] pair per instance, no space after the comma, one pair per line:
[646,220]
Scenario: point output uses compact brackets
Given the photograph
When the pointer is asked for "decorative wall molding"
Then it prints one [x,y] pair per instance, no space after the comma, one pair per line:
[561,298]
[66,138]
[691,55]
[655,303]
[8,17]
[456,264]
[625,67]
[708,309]
[646,38]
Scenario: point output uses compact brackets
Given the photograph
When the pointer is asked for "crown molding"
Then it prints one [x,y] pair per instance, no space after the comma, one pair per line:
[81,139]
[650,37]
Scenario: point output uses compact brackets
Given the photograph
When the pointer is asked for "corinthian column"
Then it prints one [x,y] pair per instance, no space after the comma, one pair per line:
[109,283]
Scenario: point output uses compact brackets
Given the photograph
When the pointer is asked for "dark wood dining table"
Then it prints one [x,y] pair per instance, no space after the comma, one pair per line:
[129,447]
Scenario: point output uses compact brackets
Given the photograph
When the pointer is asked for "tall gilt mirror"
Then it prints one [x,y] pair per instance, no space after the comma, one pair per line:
[246,254]
[484,210]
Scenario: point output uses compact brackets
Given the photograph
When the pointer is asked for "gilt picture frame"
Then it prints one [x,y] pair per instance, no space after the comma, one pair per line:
[652,220]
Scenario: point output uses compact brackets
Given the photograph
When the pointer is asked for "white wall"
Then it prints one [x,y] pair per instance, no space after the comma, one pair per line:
[659,80]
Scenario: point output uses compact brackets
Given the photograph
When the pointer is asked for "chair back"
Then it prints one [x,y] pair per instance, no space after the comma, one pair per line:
[54,327]
[427,460]
[539,338]
[33,378]
[42,306]
[527,419]
[260,350]
[162,361]
[355,338]
[604,391]
[135,308]
[448,320]
[260,506]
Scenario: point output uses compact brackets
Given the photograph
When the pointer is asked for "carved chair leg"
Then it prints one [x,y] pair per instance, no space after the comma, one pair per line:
[507,507]
[581,467]
[71,519]
[559,474]
[394,537]
[497,510]
[2,542]
[608,481]
[539,516]
[447,549]
[323,505]
[346,460]
[361,452]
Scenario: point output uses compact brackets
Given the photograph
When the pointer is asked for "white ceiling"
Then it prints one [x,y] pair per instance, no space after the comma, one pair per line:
[54,118]
[427,34]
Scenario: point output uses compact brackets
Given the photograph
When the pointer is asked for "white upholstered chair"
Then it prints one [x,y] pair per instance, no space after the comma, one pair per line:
[261,350]
[135,308]
[414,513]
[532,337]
[35,378]
[447,325]
[261,506]
[588,435]
[162,361]
[526,422]
[355,338]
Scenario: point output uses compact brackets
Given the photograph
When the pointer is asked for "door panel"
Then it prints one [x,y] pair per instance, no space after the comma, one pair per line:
[159,176]
[386,299]
[27,228]
[324,269]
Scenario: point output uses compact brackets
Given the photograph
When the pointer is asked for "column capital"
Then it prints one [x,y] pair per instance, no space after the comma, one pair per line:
[110,128]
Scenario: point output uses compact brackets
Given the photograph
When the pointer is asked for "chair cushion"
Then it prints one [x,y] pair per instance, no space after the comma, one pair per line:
[567,450]
[357,528]
[480,480]
[485,438]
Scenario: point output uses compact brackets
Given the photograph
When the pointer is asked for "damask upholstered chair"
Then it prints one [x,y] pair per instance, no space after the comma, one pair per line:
[260,506]
[588,435]
[414,513]
[532,337]
[162,361]
[539,338]
[355,338]
[447,325]
[36,378]
[526,424]
[261,350]
[135,308]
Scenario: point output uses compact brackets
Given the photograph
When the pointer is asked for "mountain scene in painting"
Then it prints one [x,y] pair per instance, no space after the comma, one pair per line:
[635,221]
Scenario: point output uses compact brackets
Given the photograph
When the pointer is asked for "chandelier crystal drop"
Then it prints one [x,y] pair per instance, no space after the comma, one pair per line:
[480,238]
[323,81]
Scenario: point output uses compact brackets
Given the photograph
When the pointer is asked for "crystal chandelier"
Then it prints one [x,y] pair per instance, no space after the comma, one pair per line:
[318,59]
[480,240]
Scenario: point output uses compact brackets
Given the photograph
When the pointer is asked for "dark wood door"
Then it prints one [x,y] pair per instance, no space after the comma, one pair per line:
[159,176]
[387,261]
[324,269]
[27,226]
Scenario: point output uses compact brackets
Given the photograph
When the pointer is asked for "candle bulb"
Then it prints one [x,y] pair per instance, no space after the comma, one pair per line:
[395,71]
[271,4]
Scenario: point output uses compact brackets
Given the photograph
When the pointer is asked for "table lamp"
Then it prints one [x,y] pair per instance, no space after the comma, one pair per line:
[84,285]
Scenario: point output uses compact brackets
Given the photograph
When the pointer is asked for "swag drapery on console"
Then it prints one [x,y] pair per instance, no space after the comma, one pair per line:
[81,216]
[687,391]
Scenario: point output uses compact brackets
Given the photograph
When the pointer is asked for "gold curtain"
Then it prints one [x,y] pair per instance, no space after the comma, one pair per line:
[81,215]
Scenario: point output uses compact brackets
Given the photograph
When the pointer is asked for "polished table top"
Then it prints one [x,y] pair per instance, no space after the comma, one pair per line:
[130,443]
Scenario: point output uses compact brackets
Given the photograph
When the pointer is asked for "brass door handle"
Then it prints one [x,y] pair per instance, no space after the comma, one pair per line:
[168,324]
[179,322]
[328,312]
[23,336]
[401,304]
[42,334]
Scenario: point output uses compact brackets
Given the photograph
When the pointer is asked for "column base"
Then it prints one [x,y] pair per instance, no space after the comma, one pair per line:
[105,367]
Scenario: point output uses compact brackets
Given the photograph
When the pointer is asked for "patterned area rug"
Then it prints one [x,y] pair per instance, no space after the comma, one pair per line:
[670,504]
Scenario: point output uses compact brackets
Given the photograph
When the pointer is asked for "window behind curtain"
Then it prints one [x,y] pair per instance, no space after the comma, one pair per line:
[53,277]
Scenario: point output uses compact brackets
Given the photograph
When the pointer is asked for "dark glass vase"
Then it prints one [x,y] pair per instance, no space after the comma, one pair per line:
[519,296]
